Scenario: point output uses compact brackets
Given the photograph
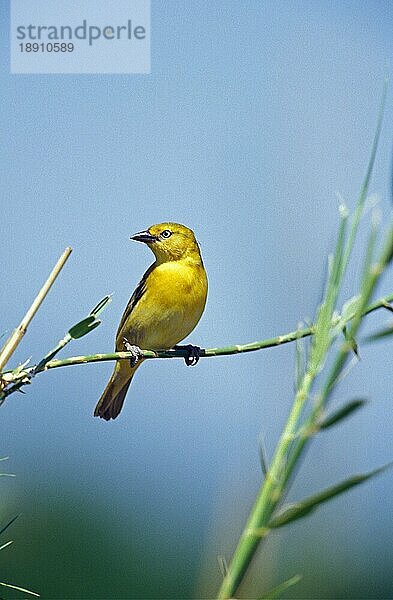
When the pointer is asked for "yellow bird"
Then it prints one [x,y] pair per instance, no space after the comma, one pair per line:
[164,308]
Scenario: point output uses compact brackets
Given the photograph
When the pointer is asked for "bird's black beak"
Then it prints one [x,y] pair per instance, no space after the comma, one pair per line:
[143,236]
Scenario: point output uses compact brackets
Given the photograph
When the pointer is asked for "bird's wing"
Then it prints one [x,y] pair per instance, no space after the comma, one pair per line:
[136,296]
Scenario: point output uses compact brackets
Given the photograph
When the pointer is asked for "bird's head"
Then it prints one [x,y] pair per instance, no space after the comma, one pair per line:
[169,241]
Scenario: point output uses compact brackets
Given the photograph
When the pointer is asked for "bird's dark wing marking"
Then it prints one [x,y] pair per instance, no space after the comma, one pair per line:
[136,296]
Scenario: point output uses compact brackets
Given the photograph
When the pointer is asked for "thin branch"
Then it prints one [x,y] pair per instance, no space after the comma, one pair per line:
[17,335]
[208,352]
[13,382]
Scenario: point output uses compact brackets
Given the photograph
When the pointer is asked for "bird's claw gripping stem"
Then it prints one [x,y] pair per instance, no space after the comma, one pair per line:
[193,356]
[134,350]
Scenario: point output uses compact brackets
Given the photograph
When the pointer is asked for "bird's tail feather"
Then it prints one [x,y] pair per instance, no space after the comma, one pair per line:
[111,402]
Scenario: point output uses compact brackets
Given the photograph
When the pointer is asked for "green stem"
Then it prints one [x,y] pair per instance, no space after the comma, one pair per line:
[208,352]
[268,497]
[178,353]
[293,441]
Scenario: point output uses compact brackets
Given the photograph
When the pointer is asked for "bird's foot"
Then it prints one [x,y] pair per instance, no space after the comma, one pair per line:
[135,351]
[193,356]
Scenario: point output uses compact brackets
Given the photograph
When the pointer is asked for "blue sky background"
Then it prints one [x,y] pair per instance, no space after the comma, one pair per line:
[255,115]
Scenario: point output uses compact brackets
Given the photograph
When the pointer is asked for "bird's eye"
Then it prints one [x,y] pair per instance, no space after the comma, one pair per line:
[166,233]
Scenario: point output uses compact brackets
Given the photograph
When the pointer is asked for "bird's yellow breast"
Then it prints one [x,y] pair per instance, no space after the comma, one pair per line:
[170,307]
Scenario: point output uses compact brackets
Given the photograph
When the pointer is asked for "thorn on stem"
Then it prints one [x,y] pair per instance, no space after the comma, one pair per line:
[352,342]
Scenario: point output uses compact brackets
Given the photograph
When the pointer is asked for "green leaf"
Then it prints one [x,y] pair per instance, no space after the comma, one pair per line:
[281,588]
[350,308]
[101,305]
[324,333]
[263,456]
[90,322]
[342,413]
[366,182]
[308,505]
[83,327]
[348,311]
